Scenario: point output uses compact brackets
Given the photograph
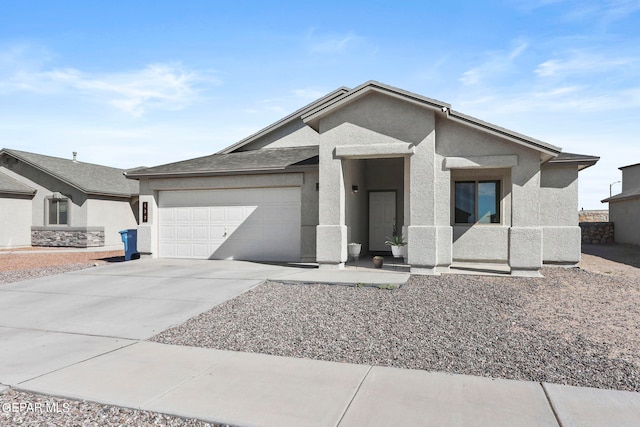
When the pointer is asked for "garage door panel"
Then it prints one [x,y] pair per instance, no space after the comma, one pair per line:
[253,224]
[183,232]
[167,215]
[201,215]
[183,214]
[200,232]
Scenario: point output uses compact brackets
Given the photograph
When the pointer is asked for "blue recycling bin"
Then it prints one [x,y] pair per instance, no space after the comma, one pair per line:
[130,240]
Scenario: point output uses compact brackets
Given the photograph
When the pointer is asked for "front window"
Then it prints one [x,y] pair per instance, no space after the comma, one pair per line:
[477,202]
[58,211]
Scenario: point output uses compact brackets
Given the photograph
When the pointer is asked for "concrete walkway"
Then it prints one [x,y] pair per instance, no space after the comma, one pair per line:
[254,389]
[80,335]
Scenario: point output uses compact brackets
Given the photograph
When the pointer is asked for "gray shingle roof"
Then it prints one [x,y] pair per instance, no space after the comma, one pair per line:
[9,185]
[266,159]
[87,177]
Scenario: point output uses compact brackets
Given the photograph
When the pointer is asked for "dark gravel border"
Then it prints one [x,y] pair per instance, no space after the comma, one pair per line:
[18,408]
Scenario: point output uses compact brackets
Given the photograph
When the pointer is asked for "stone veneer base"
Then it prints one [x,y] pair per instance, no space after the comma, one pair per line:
[74,237]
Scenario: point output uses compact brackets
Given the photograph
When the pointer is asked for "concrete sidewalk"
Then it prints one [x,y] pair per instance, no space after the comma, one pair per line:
[255,389]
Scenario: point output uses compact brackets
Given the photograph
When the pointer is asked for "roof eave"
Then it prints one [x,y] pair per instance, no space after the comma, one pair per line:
[311,118]
[18,192]
[284,121]
[582,164]
[620,197]
[184,174]
[526,141]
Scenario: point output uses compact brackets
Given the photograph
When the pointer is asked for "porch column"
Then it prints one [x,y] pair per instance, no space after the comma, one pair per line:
[525,234]
[331,233]
[422,232]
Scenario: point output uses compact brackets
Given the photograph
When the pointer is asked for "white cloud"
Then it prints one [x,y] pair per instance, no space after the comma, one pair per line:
[581,63]
[162,86]
[497,64]
[334,43]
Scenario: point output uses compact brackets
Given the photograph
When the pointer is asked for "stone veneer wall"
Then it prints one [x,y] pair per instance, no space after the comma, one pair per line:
[597,233]
[593,216]
[75,237]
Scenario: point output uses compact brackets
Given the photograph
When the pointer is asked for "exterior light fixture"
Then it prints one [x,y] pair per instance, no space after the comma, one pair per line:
[354,188]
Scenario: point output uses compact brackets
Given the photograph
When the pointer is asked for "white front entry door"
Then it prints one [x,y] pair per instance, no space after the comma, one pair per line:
[255,224]
[382,219]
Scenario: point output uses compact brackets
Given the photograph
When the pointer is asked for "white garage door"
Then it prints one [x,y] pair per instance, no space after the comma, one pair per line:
[257,224]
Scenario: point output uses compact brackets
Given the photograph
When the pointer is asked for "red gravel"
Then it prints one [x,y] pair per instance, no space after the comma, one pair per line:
[26,260]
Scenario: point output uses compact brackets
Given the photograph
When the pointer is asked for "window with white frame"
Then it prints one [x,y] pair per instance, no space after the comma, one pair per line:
[477,202]
[58,211]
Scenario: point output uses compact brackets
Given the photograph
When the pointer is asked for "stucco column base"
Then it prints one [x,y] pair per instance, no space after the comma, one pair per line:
[423,247]
[145,241]
[525,251]
[561,245]
[445,248]
[331,246]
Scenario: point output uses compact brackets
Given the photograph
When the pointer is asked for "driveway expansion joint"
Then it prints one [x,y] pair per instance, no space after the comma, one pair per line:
[551,405]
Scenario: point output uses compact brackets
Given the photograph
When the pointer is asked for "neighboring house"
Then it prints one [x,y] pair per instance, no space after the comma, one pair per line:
[359,165]
[624,208]
[49,201]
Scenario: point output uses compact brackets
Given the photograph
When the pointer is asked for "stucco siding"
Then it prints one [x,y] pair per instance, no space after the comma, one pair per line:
[561,244]
[481,243]
[558,207]
[45,186]
[631,178]
[559,196]
[15,221]
[113,215]
[625,215]
[377,120]
[294,134]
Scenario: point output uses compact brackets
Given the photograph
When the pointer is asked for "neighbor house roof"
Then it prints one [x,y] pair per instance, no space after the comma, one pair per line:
[626,195]
[629,166]
[264,160]
[581,160]
[87,177]
[8,185]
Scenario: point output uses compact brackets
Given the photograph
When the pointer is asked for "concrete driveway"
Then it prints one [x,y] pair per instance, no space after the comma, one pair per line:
[55,321]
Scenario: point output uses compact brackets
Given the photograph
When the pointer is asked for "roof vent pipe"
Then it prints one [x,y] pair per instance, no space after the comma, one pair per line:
[75,153]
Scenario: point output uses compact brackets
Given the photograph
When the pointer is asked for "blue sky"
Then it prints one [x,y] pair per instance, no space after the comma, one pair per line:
[130,83]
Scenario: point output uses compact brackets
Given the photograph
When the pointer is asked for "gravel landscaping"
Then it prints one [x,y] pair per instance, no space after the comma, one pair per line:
[572,327]
[29,409]
[24,264]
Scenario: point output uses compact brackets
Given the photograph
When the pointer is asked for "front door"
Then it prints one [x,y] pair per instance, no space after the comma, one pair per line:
[382,219]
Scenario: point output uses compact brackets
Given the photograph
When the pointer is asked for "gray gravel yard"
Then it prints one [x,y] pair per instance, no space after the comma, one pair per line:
[572,327]
[28,409]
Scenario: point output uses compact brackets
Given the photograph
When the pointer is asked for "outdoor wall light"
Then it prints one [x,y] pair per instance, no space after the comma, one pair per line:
[354,188]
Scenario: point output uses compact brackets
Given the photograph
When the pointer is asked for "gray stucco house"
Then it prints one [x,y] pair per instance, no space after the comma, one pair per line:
[624,208]
[361,164]
[50,201]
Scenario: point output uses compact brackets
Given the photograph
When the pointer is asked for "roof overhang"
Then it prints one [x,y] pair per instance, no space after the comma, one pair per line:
[236,163]
[580,160]
[546,149]
[286,120]
[630,195]
[313,116]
